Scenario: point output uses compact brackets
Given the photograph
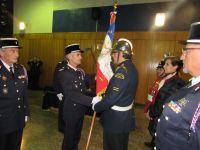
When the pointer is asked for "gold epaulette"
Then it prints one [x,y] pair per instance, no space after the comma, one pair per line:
[123,67]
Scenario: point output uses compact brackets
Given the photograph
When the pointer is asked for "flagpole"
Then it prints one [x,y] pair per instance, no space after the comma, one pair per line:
[94,114]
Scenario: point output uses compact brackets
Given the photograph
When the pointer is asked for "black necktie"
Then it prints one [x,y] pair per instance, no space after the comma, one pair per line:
[11,72]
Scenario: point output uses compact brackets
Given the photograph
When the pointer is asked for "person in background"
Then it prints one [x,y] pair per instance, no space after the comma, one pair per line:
[179,124]
[34,73]
[153,90]
[14,108]
[167,86]
[72,81]
[118,117]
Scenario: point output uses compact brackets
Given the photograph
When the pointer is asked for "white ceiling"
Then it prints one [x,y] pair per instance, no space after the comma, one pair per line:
[71,4]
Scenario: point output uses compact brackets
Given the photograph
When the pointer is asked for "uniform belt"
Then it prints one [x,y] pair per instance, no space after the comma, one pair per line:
[119,108]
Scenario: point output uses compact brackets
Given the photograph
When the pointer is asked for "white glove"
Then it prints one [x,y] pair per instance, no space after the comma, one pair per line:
[60,96]
[96,99]
[26,118]
[93,107]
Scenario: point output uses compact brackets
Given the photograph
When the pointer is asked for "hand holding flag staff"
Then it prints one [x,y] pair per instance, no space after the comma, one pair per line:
[104,70]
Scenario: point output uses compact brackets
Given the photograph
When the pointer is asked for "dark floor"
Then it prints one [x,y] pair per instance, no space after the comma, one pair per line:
[41,131]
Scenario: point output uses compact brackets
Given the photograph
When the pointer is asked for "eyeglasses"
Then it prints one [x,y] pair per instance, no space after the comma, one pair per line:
[187,49]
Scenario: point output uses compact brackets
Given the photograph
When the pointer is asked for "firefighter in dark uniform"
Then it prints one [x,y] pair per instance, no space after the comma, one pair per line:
[34,72]
[179,125]
[71,79]
[59,93]
[14,108]
[117,116]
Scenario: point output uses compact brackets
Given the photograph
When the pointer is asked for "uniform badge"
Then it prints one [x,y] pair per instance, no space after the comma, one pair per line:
[4,78]
[5,90]
[22,77]
[182,102]
[174,107]
[119,76]
[115,88]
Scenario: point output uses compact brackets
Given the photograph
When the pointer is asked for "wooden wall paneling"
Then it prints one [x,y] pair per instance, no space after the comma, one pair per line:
[24,52]
[178,50]
[34,47]
[73,35]
[47,36]
[181,35]
[97,49]
[59,35]
[127,35]
[162,47]
[46,55]
[143,35]
[88,35]
[89,57]
[141,61]
[58,51]
[100,35]
[154,35]
[39,36]
[165,36]
[71,41]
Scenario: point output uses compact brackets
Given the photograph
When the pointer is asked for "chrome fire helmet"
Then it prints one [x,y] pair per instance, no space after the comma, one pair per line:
[123,45]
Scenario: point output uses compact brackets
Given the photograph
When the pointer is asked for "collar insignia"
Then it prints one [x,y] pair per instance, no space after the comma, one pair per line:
[4,78]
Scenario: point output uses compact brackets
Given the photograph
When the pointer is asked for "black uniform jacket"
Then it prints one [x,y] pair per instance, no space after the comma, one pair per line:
[174,130]
[73,85]
[120,92]
[13,99]
[56,84]
[170,87]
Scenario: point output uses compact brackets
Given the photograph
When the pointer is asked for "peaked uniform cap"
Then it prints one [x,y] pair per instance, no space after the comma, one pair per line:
[9,43]
[194,34]
[72,48]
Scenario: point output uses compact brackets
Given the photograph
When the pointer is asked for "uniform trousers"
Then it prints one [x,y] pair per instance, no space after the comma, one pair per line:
[115,141]
[61,122]
[11,141]
[72,134]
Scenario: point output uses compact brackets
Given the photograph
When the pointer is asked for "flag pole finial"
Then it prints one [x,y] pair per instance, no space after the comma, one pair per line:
[115,5]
